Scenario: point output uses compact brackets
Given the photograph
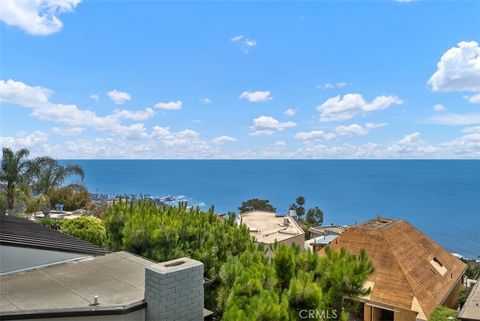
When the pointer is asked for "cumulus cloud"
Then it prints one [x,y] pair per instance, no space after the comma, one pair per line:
[343,130]
[290,112]
[314,135]
[458,69]
[245,43]
[38,100]
[134,115]
[475,99]
[119,97]
[256,96]
[439,107]
[351,130]
[171,105]
[342,108]
[411,144]
[332,85]
[68,131]
[94,97]
[168,138]
[23,140]
[456,119]
[223,139]
[134,131]
[266,125]
[36,17]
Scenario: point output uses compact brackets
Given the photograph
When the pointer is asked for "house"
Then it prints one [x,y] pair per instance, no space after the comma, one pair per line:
[314,232]
[268,228]
[25,244]
[319,242]
[471,309]
[77,281]
[413,274]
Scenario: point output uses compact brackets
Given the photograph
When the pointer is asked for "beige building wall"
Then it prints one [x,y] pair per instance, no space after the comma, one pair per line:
[372,313]
[298,240]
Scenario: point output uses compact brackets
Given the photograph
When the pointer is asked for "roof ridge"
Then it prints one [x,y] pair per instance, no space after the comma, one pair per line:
[420,302]
[396,260]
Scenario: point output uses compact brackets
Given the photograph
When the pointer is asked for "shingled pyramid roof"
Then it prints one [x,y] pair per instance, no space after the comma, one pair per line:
[411,271]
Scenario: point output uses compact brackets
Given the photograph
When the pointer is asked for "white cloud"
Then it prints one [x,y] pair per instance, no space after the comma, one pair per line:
[314,135]
[38,100]
[23,140]
[119,97]
[266,125]
[205,100]
[456,119]
[36,17]
[171,105]
[94,97]
[412,144]
[69,131]
[223,139]
[470,130]
[373,126]
[291,111]
[458,69]
[332,85]
[245,43]
[168,138]
[439,107]
[351,130]
[342,108]
[475,99]
[134,131]
[134,115]
[279,144]
[256,96]
[236,38]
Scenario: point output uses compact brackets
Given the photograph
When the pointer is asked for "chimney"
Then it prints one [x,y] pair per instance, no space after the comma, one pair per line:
[174,291]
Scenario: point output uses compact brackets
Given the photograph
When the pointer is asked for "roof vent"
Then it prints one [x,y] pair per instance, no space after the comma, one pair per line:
[95,301]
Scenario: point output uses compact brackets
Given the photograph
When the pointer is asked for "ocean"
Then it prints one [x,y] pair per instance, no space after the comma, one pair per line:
[439,197]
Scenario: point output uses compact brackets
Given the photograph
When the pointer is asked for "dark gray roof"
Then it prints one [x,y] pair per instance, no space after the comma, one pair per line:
[17,231]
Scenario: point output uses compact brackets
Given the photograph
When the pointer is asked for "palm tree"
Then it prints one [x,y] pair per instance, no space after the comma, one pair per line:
[14,177]
[49,174]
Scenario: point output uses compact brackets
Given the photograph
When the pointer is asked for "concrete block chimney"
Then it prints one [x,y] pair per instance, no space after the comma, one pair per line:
[174,291]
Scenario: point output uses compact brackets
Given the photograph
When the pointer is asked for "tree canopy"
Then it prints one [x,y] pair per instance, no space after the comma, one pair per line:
[163,233]
[298,206]
[14,176]
[255,287]
[256,204]
[31,183]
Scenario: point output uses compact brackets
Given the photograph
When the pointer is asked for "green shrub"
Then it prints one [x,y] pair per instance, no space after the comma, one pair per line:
[442,313]
[87,228]
[72,197]
[51,223]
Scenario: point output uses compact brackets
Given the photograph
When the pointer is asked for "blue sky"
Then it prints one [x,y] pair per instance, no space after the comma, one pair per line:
[155,79]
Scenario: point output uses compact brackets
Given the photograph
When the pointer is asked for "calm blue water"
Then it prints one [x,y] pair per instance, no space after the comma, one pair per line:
[441,198]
